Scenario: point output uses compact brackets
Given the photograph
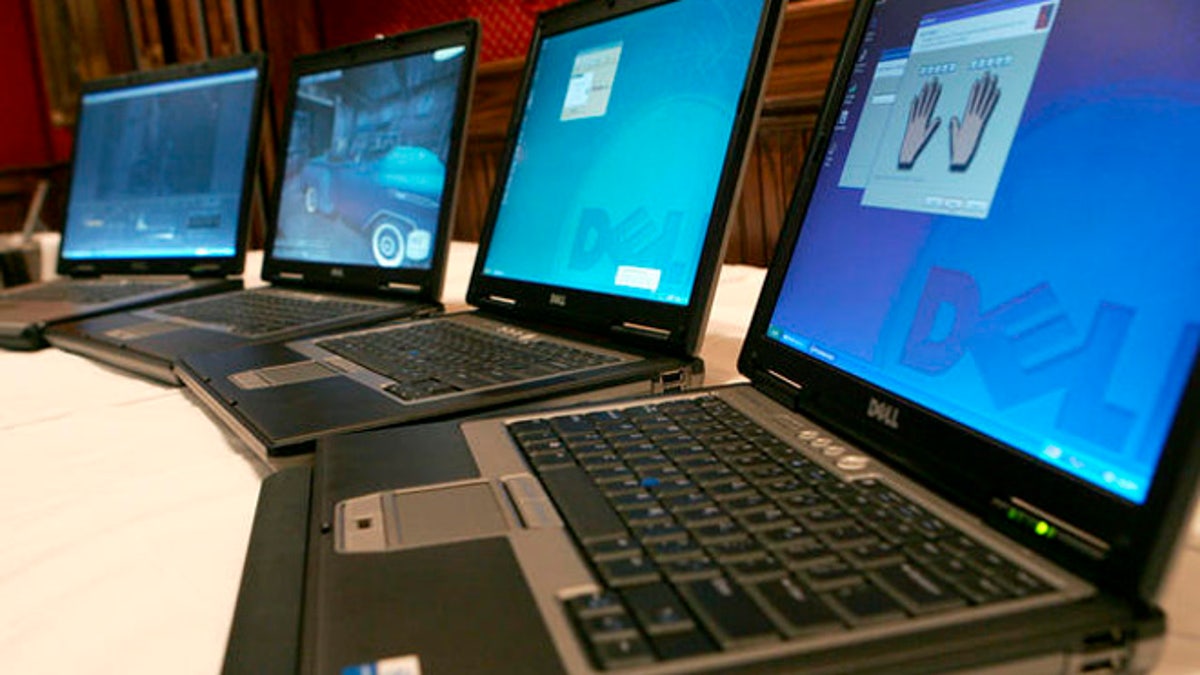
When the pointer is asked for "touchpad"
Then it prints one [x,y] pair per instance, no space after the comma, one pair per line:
[448,514]
[142,330]
[278,376]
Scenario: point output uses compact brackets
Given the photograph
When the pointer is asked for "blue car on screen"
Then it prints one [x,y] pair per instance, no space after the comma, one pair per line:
[391,198]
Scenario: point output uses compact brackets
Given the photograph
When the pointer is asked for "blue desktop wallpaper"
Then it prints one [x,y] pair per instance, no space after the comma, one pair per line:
[158,169]
[1066,322]
[621,150]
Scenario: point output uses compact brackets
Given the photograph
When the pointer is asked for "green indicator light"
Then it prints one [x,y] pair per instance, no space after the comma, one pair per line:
[1043,528]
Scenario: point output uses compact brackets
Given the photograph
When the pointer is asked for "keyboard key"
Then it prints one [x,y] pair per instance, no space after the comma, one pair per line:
[657,608]
[619,547]
[806,553]
[919,591]
[583,506]
[628,571]
[612,626]
[728,612]
[873,554]
[802,612]
[865,604]
[623,653]
[681,645]
[757,568]
[824,576]
[595,604]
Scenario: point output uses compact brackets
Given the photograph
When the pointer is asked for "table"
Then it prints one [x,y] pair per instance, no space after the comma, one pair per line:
[127,509]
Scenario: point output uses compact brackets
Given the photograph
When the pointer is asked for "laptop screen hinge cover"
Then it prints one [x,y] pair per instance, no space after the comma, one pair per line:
[1024,515]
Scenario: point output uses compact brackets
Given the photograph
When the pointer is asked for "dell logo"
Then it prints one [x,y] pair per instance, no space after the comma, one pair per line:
[558,299]
[884,412]
[337,273]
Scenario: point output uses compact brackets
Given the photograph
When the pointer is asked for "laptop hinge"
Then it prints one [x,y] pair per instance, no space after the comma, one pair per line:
[1046,526]
[643,330]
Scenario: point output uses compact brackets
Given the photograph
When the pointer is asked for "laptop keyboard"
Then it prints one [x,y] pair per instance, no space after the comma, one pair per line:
[258,313]
[87,292]
[437,358]
[708,533]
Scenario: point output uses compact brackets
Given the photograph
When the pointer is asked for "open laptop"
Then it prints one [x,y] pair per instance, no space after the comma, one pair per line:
[364,207]
[601,249]
[968,442]
[159,195]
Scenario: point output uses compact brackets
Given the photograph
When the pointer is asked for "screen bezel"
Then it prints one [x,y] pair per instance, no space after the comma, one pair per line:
[673,328]
[192,266]
[426,283]
[1141,538]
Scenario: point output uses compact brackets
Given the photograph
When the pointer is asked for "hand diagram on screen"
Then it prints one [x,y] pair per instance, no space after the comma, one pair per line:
[964,135]
[921,123]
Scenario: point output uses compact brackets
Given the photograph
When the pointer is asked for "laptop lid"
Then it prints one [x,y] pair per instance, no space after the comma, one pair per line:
[989,272]
[624,157]
[162,169]
[366,197]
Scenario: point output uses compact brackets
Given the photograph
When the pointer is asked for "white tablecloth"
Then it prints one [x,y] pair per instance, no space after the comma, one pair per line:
[126,511]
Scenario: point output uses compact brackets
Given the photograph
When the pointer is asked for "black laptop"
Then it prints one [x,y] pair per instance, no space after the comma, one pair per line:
[159,196]
[968,443]
[364,208]
[603,239]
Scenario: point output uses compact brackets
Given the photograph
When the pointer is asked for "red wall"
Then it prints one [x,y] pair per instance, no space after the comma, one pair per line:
[507,24]
[24,132]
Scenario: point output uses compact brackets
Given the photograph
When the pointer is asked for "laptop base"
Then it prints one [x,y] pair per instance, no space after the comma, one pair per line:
[288,420]
[151,347]
[26,332]
[359,599]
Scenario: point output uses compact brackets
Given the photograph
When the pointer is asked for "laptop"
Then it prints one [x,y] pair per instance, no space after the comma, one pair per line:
[158,203]
[600,251]
[364,208]
[968,442]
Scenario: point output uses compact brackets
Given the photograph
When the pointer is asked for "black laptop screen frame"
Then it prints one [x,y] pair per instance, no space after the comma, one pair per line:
[425,283]
[672,329]
[217,266]
[1141,538]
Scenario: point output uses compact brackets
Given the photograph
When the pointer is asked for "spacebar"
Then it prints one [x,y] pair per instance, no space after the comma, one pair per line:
[583,506]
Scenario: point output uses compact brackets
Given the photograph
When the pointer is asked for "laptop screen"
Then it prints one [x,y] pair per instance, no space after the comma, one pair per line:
[1003,232]
[621,149]
[159,169]
[366,162]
